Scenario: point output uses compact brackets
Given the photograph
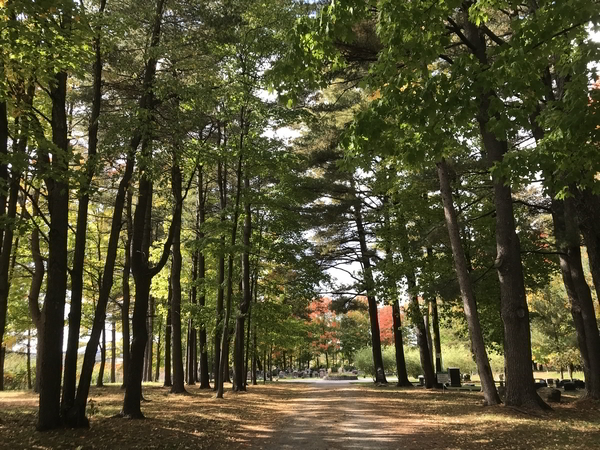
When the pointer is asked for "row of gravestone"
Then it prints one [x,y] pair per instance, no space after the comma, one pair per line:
[567,385]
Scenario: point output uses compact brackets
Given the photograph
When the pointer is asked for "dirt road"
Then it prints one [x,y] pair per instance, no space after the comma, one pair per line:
[343,416]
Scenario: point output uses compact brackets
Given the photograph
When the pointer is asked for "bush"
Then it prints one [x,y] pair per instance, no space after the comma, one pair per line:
[363,360]
[413,362]
[455,356]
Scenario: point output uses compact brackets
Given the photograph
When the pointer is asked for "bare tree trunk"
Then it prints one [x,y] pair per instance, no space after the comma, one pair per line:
[201,273]
[488,384]
[427,323]
[8,216]
[399,347]
[371,300]
[176,262]
[222,182]
[224,362]
[57,185]
[100,379]
[157,372]
[113,356]
[437,343]
[29,385]
[582,307]
[126,289]
[168,381]
[70,370]
[240,367]
[37,279]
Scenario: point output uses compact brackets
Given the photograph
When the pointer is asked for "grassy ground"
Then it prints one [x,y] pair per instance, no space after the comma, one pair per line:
[290,415]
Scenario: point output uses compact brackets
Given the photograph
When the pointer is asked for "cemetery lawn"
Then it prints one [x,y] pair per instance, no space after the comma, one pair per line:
[335,415]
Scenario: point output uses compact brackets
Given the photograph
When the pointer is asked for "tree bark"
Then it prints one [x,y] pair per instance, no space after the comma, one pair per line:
[100,379]
[566,231]
[70,369]
[201,275]
[113,352]
[240,367]
[427,323]
[222,182]
[520,390]
[57,185]
[588,212]
[488,385]
[399,346]
[371,300]
[9,214]
[157,370]
[176,262]
[126,289]
[224,362]
[168,380]
[437,343]
[150,344]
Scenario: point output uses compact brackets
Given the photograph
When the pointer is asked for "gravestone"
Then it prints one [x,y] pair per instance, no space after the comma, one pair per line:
[454,373]
[553,396]
[568,386]
[421,380]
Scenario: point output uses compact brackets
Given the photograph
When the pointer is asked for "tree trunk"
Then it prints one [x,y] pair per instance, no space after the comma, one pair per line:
[168,380]
[70,370]
[248,326]
[520,389]
[126,289]
[150,338]
[100,379]
[437,343]
[588,210]
[417,319]
[77,413]
[29,385]
[178,374]
[566,231]
[8,216]
[57,185]
[488,384]
[371,300]
[224,362]
[113,355]
[222,182]
[240,367]
[399,346]
[427,323]
[37,279]
[201,274]
[157,370]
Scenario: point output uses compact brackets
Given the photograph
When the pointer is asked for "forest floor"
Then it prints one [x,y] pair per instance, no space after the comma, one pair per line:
[334,415]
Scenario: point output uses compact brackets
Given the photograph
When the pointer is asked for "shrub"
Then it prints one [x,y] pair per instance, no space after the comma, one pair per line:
[363,360]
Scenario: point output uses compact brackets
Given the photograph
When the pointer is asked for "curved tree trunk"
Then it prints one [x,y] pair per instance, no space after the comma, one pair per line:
[488,385]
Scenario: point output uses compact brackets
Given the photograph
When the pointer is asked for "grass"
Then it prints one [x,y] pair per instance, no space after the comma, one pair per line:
[308,416]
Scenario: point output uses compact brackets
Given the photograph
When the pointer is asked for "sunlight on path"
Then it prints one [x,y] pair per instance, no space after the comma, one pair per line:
[329,415]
